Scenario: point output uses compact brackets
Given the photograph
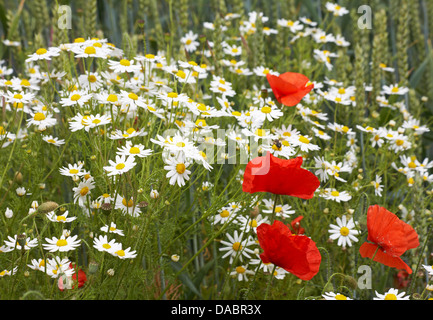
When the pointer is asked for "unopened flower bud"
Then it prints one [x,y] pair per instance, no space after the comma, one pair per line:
[93,267]
[351,282]
[47,207]
[19,177]
[9,213]
[21,239]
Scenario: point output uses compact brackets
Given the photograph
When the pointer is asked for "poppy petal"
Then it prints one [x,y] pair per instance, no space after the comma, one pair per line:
[368,250]
[296,254]
[289,88]
[393,235]
[279,176]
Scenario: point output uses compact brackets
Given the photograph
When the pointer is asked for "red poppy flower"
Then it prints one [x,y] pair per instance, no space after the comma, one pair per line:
[401,279]
[296,254]
[390,237]
[82,278]
[289,88]
[279,176]
[67,282]
[295,225]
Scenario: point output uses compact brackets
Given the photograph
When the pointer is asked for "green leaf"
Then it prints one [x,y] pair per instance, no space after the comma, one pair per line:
[185,278]
[418,73]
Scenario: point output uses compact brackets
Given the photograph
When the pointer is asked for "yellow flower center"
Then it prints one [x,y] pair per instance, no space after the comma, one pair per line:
[90,50]
[92,78]
[304,140]
[125,63]
[266,109]
[344,231]
[390,296]
[120,253]
[75,97]
[132,96]
[84,191]
[61,218]
[340,297]
[130,130]
[41,51]
[253,223]
[73,171]
[224,213]
[237,246]
[61,243]
[51,141]
[149,56]
[18,96]
[180,168]
[395,89]
[39,116]
[181,74]
[172,95]
[129,204]
[341,91]
[411,165]
[335,193]
[399,142]
[120,166]
[106,246]
[134,150]
[240,269]
[112,229]
[188,41]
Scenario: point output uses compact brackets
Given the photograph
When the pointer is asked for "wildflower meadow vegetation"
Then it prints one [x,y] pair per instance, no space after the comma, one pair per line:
[216,150]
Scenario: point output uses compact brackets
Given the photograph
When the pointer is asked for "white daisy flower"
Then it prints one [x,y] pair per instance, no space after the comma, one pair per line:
[62,244]
[62,218]
[53,140]
[333,194]
[121,165]
[112,229]
[391,294]
[177,171]
[335,296]
[124,65]
[44,54]
[237,246]
[14,243]
[344,231]
[242,273]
